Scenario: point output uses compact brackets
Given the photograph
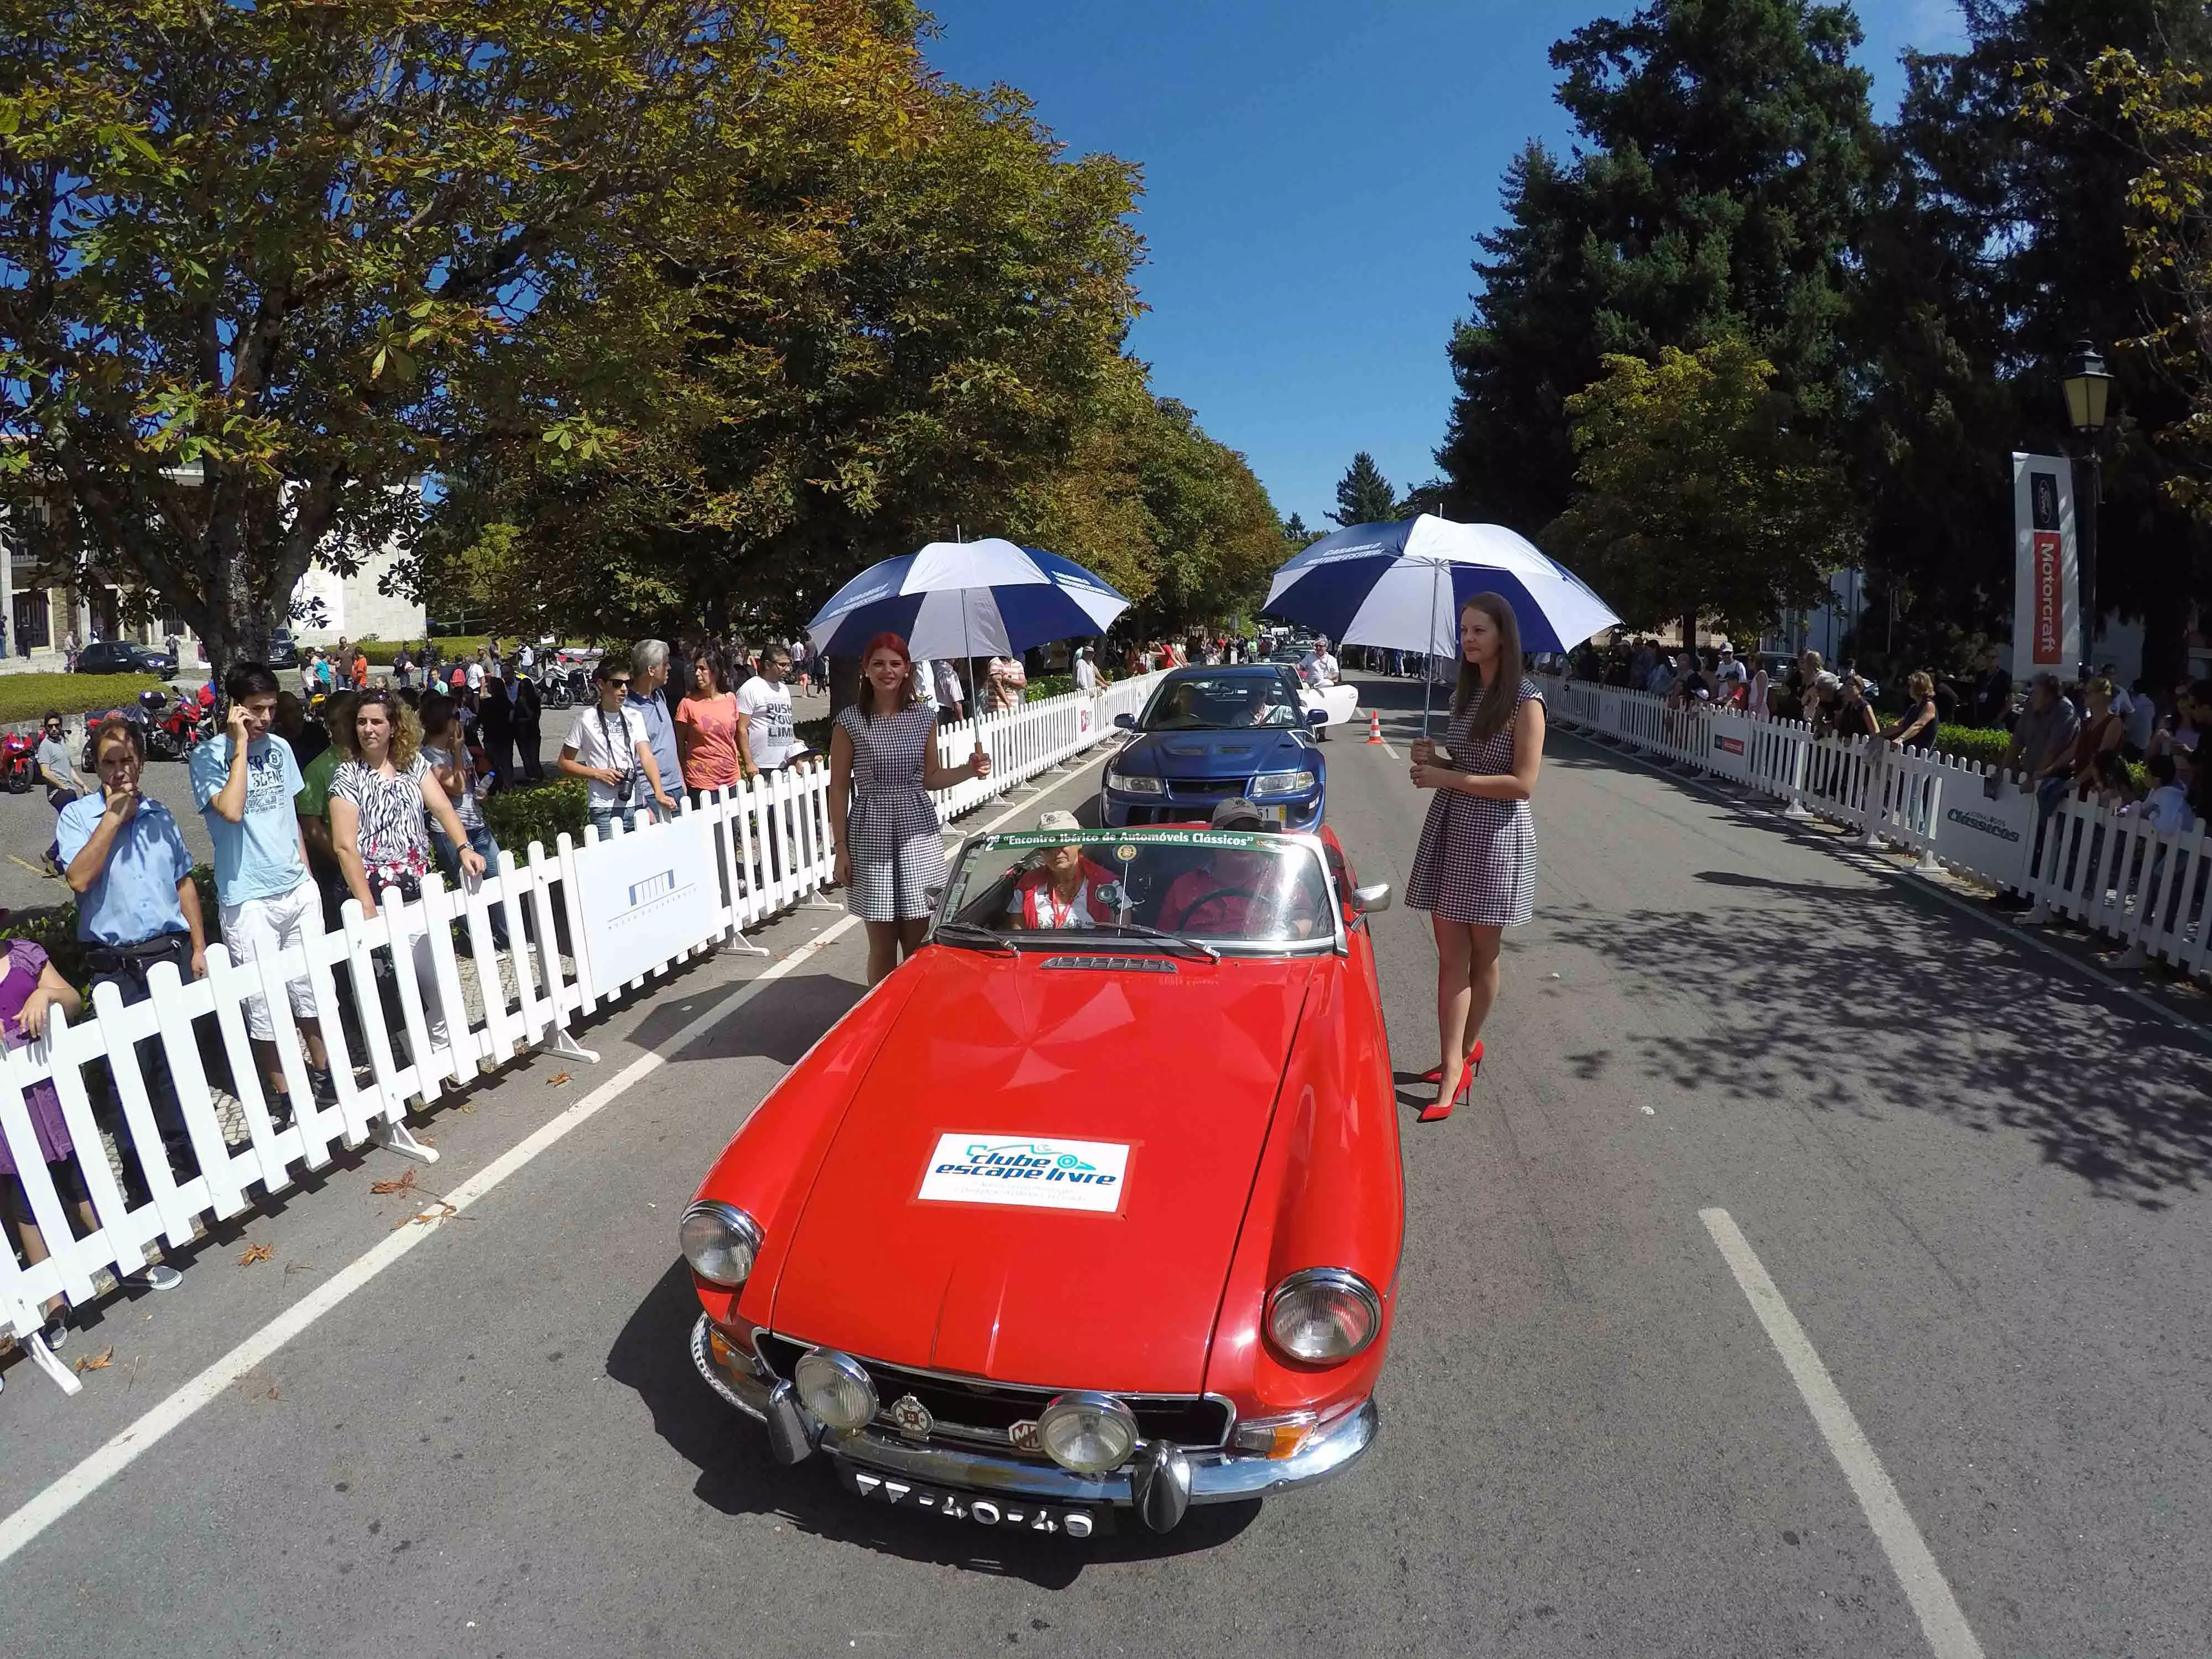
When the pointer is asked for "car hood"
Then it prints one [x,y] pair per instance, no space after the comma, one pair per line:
[1180,1067]
[1214,754]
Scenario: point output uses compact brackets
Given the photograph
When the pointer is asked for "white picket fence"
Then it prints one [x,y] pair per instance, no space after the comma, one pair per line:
[2109,869]
[771,840]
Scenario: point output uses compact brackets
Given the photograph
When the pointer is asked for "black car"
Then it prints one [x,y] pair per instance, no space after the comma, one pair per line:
[122,657]
[283,653]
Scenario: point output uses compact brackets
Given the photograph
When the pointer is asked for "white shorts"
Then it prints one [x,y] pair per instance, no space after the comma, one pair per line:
[252,926]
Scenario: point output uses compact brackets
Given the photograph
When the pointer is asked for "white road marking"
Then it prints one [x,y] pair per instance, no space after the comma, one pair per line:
[1388,749]
[128,1445]
[1945,1626]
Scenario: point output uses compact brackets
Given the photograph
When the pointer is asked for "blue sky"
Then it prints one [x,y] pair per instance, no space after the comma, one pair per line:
[1315,175]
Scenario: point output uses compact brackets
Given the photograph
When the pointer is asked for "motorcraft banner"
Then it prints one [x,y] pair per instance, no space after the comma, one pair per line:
[2046,617]
[646,896]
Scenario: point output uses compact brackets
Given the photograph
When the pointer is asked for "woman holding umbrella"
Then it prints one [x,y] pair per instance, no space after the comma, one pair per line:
[889,846]
[1474,871]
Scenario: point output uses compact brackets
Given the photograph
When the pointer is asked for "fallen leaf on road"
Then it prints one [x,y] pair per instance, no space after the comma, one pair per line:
[97,1362]
[272,1394]
[557,1078]
[255,1253]
[404,1184]
[437,1212]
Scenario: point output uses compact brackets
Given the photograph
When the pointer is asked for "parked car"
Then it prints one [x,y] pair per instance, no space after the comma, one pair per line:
[1211,733]
[284,651]
[990,1270]
[124,657]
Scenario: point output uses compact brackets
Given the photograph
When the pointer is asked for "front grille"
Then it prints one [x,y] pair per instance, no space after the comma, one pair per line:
[1204,788]
[972,1408]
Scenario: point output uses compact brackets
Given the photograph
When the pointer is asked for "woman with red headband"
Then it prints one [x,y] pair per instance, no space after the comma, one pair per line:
[891,848]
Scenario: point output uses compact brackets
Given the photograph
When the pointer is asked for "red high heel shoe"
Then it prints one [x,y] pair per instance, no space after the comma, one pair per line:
[1473,1066]
[1436,1113]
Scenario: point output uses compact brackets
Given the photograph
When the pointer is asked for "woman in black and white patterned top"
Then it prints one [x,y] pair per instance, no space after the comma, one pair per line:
[889,846]
[377,797]
[1474,871]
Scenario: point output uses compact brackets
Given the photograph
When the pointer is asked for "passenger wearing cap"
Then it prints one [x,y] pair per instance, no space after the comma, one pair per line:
[1064,889]
[1239,892]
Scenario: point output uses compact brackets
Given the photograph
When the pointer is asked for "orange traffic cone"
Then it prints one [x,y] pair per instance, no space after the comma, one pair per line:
[1374,726]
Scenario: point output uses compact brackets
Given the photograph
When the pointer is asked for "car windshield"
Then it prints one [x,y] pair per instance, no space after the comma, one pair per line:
[1232,889]
[1221,702]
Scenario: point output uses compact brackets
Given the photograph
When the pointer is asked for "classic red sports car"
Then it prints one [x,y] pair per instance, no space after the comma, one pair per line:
[1094,1204]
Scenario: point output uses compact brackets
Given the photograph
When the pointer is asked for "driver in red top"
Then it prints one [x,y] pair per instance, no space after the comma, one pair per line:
[1240,892]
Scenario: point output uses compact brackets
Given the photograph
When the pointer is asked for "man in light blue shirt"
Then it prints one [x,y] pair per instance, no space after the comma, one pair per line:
[136,907]
[244,780]
[648,667]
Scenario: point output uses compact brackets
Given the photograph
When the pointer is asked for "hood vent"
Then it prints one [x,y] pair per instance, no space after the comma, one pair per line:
[1111,964]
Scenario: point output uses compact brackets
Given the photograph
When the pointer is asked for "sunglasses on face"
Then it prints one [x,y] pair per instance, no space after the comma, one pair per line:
[622,685]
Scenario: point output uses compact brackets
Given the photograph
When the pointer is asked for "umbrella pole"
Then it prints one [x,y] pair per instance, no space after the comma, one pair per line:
[1428,657]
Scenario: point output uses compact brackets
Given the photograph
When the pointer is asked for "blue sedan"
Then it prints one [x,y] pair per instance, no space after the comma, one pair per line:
[1211,733]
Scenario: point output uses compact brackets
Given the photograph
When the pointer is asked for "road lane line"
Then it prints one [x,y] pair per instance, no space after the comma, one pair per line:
[95,1471]
[1945,1626]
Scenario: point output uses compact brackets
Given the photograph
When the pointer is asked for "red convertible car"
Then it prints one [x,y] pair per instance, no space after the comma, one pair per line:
[1092,1206]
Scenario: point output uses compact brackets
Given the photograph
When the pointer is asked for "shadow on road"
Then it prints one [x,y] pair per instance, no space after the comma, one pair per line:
[652,1356]
[781,1021]
[1874,1003]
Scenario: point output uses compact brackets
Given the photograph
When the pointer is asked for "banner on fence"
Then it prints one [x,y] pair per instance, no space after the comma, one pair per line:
[1728,747]
[644,896]
[2046,615]
[1991,837]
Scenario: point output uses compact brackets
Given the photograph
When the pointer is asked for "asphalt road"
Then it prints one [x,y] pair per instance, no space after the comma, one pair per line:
[1975,1173]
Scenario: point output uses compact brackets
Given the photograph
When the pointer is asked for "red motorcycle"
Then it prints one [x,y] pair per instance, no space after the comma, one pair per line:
[18,766]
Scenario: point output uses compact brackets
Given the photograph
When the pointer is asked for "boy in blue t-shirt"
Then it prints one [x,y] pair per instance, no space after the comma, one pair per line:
[243,781]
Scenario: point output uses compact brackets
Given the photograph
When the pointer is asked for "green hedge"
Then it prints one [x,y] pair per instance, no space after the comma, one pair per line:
[542,812]
[1984,746]
[27,697]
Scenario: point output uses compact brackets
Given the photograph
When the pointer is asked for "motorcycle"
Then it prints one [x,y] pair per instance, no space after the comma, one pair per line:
[171,736]
[18,766]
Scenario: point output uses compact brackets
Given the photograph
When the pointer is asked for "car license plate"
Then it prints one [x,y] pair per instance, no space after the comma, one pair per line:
[1019,1514]
[1276,814]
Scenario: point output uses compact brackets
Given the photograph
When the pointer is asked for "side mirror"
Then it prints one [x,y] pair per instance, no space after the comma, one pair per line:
[1126,722]
[1317,717]
[1367,900]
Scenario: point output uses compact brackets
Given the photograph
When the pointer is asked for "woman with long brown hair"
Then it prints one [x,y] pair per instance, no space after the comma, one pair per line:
[890,846]
[1474,871]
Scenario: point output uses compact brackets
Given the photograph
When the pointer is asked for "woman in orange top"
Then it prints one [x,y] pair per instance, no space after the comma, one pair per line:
[712,732]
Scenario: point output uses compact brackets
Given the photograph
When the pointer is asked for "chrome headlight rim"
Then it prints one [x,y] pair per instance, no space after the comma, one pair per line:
[1107,1407]
[1134,783]
[743,1233]
[844,1369]
[1285,783]
[1339,1280]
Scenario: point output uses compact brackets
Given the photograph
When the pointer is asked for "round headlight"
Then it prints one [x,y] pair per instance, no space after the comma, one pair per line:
[1323,1315]
[719,1241]
[835,1388]
[1088,1433]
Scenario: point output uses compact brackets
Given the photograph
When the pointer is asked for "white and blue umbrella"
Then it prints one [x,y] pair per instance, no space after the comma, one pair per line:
[1401,586]
[987,598]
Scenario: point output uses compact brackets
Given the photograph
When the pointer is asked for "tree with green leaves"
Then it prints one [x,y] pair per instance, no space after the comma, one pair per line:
[1723,155]
[1364,495]
[1696,497]
[262,267]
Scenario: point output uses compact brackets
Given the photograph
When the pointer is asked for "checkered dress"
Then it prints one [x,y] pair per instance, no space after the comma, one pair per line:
[1476,862]
[891,830]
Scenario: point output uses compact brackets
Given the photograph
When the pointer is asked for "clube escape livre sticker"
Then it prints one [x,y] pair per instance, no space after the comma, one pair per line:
[1038,1175]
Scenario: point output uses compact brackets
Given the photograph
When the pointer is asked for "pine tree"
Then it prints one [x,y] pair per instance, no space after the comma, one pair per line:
[1364,495]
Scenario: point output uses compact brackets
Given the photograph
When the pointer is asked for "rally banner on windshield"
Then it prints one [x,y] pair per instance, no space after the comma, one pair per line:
[2046,617]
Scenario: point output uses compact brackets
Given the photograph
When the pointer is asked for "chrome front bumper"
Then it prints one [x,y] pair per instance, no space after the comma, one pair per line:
[1217,1476]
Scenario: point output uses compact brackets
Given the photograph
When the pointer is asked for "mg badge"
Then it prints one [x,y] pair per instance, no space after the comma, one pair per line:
[912,1418]
[1026,1438]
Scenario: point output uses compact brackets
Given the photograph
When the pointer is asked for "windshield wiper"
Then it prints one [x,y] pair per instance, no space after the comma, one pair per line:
[974,936]
[1174,942]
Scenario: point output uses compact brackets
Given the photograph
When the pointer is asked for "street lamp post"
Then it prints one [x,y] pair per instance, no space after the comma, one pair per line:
[2088,388]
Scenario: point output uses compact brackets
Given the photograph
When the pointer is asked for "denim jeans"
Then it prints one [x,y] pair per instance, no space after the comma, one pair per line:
[601,817]
[449,860]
